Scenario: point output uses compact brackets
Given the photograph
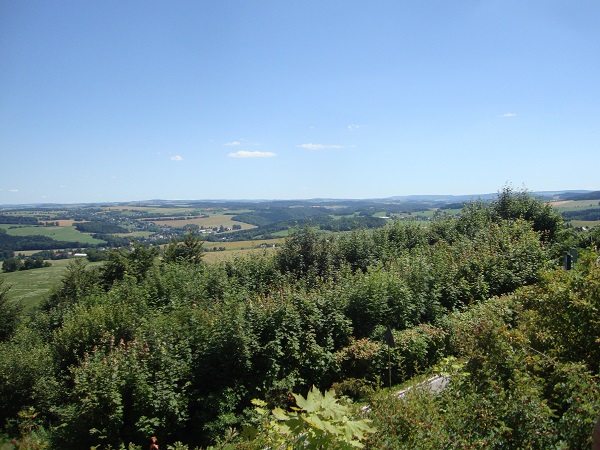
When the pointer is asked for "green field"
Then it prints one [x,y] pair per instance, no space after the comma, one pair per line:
[68,233]
[215,257]
[181,210]
[574,205]
[32,286]
[154,210]
[577,205]
[585,223]
[213,220]
[135,234]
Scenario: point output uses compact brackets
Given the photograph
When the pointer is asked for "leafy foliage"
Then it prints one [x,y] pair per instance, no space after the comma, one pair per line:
[189,251]
[318,421]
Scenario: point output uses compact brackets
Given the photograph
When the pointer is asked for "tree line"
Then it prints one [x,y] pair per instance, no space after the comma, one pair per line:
[99,227]
[18,220]
[583,214]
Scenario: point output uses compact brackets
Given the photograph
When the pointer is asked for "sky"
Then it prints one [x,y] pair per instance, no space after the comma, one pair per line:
[114,101]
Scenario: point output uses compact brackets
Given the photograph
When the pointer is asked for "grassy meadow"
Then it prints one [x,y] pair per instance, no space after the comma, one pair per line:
[576,205]
[60,233]
[239,248]
[573,205]
[213,220]
[32,286]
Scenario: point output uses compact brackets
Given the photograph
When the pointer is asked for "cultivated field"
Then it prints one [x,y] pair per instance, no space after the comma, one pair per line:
[61,233]
[213,220]
[154,210]
[216,257]
[32,286]
[573,205]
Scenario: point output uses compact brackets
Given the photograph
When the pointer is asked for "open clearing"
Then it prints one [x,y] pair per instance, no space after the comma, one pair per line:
[68,233]
[245,245]
[566,205]
[216,257]
[32,286]
[155,210]
[212,221]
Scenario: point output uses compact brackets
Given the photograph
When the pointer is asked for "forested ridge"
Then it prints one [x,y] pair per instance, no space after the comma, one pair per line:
[166,345]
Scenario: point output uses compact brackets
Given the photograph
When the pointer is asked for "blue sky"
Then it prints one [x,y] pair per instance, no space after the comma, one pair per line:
[127,100]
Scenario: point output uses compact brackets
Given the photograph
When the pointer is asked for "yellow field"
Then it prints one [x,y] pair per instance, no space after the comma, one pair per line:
[574,204]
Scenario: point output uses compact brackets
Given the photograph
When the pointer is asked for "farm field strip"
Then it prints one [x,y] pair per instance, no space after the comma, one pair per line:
[32,286]
[154,210]
[574,204]
[175,211]
[207,222]
[67,233]
[585,223]
[245,245]
[216,257]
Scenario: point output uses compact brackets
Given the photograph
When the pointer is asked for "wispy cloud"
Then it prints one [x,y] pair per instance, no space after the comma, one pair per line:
[232,143]
[353,127]
[247,154]
[176,158]
[507,115]
[14,190]
[320,146]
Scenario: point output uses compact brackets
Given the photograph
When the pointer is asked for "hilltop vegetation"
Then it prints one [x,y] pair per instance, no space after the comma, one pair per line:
[76,227]
[161,343]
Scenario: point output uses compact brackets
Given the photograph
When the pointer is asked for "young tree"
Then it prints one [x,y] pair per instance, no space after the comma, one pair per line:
[512,204]
[189,251]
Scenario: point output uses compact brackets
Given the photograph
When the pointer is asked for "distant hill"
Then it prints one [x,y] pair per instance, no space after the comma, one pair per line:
[441,198]
[546,195]
[251,203]
[594,195]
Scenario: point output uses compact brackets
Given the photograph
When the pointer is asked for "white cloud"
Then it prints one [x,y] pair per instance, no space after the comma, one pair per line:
[14,190]
[233,143]
[507,115]
[247,154]
[353,127]
[176,158]
[319,146]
